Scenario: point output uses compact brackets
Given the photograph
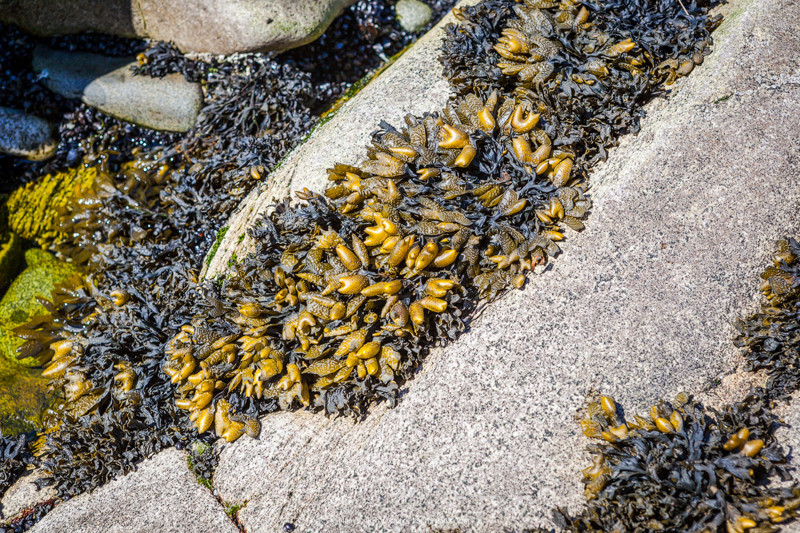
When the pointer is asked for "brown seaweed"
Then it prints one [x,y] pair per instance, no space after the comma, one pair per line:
[770,339]
[346,292]
[684,467]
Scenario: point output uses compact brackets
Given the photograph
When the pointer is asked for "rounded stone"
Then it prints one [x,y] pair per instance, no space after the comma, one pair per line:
[25,135]
[413,15]
[170,103]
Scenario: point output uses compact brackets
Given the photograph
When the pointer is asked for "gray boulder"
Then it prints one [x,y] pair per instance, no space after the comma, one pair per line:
[170,103]
[25,135]
[193,25]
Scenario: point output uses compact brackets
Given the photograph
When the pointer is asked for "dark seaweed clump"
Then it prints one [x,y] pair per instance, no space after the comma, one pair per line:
[347,293]
[771,338]
[15,456]
[203,460]
[342,300]
[684,467]
[601,61]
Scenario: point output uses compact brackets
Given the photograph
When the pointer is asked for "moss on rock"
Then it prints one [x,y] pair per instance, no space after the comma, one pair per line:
[42,273]
[10,257]
[23,391]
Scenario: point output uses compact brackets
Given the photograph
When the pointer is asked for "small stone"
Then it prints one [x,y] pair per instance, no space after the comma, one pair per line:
[170,103]
[25,135]
[413,15]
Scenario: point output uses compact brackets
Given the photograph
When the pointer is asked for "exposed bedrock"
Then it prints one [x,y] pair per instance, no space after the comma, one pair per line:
[193,25]
[639,306]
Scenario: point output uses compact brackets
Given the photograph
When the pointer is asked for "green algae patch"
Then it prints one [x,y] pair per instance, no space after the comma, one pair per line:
[220,235]
[42,273]
[34,210]
[23,397]
[23,391]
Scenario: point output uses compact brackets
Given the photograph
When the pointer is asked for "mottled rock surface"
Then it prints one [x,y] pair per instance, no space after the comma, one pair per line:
[193,25]
[25,135]
[161,495]
[170,103]
[639,306]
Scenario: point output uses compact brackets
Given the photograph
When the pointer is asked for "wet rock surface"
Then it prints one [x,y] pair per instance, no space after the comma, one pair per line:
[162,495]
[25,135]
[193,25]
[170,103]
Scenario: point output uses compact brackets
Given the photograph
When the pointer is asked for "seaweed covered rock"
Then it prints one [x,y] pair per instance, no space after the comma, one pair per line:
[24,392]
[262,339]
[771,338]
[684,467]
[412,84]
[193,25]
[502,397]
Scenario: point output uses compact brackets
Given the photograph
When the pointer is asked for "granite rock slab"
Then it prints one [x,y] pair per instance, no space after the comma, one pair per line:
[639,306]
[161,495]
